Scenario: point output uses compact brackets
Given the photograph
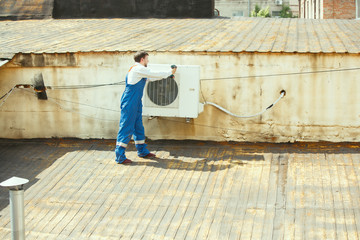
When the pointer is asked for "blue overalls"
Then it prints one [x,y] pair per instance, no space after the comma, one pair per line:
[131,121]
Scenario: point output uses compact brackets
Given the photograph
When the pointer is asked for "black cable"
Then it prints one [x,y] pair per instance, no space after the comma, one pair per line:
[85,86]
[281,74]
[6,94]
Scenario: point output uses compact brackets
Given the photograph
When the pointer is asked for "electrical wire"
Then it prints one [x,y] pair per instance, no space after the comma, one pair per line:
[6,96]
[281,74]
[282,94]
[85,86]
[7,93]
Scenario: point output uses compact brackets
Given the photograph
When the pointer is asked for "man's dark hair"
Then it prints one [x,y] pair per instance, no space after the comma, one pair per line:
[139,55]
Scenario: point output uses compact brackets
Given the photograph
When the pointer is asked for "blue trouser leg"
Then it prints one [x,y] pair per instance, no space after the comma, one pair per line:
[120,154]
[126,129]
[139,136]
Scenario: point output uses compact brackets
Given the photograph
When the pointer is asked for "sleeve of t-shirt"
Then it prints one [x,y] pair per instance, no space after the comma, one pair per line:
[151,75]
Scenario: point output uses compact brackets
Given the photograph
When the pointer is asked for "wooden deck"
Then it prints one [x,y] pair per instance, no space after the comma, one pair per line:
[194,190]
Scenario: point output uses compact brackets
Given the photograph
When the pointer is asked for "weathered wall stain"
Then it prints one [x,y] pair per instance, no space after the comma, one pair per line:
[44,60]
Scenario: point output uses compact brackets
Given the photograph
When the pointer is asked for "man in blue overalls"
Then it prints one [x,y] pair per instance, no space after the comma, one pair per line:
[131,108]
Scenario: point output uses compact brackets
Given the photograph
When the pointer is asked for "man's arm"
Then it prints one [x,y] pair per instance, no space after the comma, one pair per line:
[145,72]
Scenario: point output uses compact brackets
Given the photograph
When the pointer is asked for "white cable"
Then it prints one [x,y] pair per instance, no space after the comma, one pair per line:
[282,93]
[8,94]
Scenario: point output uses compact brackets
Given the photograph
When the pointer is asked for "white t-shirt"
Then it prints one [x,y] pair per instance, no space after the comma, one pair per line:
[138,71]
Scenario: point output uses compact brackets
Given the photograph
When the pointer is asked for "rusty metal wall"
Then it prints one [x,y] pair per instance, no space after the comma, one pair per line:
[322,103]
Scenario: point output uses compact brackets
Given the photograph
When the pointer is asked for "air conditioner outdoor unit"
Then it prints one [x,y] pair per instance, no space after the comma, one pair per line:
[278,2]
[173,97]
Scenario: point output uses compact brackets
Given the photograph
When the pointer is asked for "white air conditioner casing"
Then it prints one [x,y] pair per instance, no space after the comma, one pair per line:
[173,97]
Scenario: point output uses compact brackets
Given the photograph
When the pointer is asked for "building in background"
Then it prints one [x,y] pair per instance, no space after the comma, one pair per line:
[330,9]
[242,8]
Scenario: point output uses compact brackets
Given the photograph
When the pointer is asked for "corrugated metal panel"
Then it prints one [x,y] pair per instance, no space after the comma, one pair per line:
[211,35]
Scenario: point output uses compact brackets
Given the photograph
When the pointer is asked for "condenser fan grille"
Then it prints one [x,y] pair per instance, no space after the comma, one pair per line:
[163,92]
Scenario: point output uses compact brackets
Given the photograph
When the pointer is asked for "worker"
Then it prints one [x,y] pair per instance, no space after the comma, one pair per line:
[131,107]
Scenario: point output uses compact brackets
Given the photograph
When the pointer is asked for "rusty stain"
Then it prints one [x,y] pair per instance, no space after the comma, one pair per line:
[241,147]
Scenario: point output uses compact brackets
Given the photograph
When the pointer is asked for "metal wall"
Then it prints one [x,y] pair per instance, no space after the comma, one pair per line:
[321,102]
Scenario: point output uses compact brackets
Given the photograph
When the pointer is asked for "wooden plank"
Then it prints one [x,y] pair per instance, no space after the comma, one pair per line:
[338,202]
[184,201]
[347,199]
[290,201]
[142,203]
[330,227]
[160,206]
[220,186]
[251,210]
[259,219]
[129,204]
[40,194]
[229,214]
[155,197]
[300,198]
[309,193]
[170,221]
[200,183]
[55,203]
[279,218]
[106,202]
[320,206]
[97,185]
[128,218]
[225,199]
[353,175]
[203,203]
[108,219]
[268,227]
[242,201]
[160,185]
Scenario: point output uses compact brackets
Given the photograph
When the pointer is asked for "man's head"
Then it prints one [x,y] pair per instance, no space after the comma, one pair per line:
[142,58]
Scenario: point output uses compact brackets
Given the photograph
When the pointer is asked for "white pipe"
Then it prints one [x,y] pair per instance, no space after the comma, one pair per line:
[282,94]
[17,214]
